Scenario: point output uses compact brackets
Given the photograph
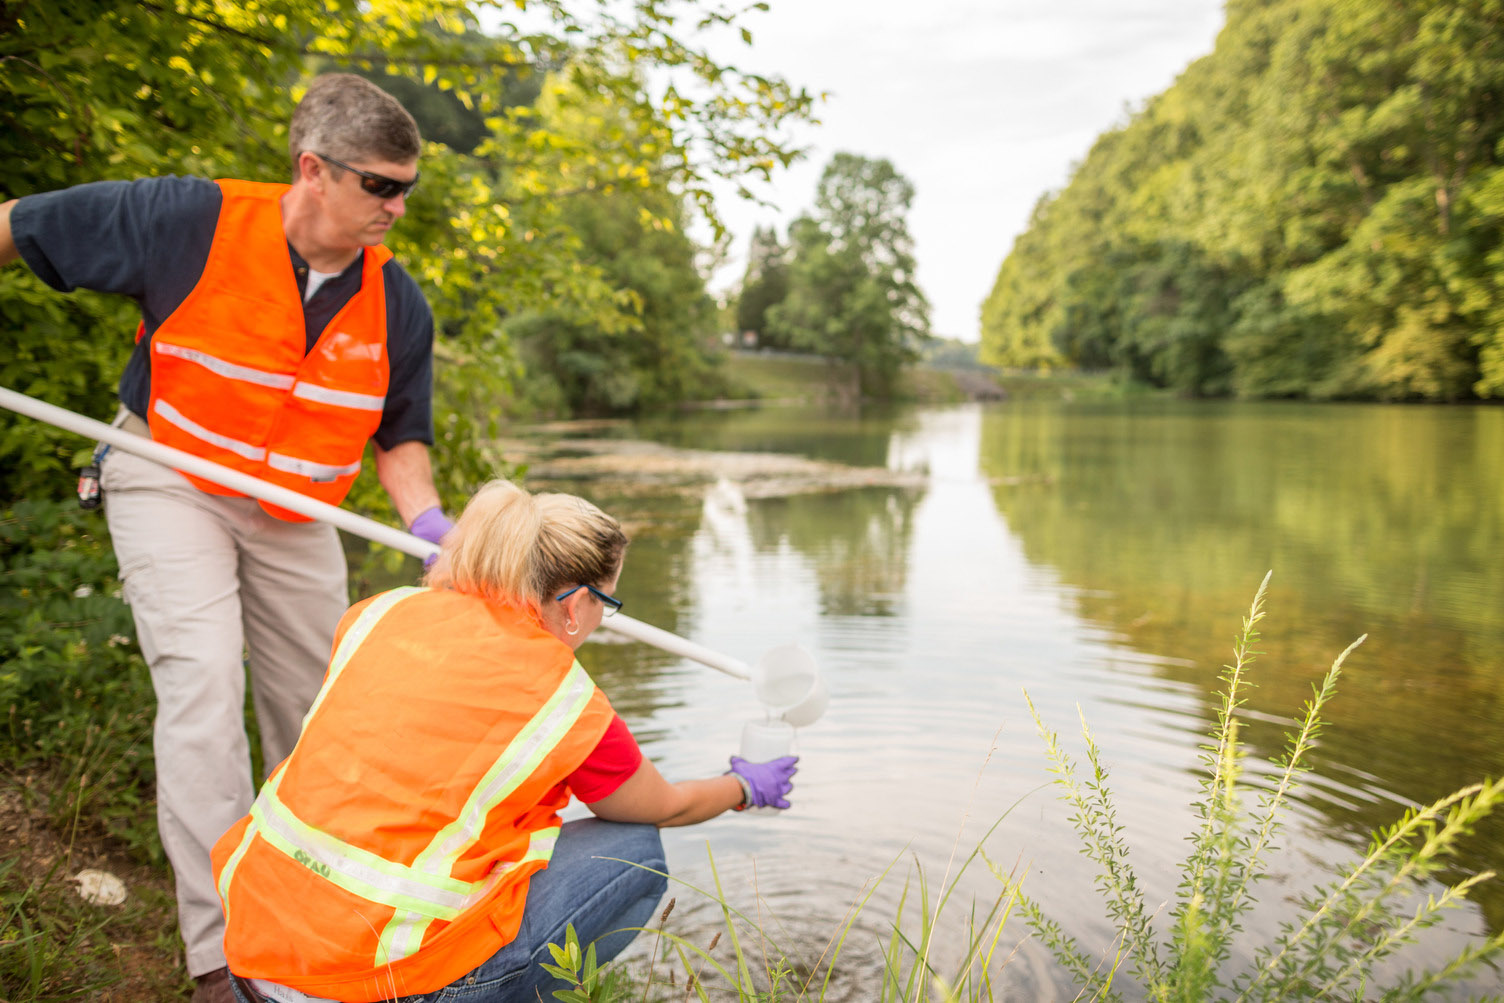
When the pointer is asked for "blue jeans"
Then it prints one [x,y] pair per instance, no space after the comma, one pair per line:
[597,896]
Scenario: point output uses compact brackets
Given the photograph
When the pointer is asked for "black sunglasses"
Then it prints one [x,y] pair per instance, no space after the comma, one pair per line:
[379,185]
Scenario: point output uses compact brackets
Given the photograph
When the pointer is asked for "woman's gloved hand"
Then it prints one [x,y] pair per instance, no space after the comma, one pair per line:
[765,784]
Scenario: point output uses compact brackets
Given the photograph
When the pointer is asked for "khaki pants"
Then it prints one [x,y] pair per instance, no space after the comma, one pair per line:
[208,578]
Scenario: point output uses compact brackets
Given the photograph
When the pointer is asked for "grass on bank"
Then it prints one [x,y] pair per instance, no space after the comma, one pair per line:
[76,777]
[772,378]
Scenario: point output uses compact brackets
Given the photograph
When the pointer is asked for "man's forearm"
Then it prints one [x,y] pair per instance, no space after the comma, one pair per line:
[8,250]
[407,475]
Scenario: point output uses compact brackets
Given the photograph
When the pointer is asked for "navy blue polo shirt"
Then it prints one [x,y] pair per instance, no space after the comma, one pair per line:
[150,240]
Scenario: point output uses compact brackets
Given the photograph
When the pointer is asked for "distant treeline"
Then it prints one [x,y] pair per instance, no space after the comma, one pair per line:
[1315,209]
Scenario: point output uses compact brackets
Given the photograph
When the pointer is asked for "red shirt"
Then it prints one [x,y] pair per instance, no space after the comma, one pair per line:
[616,758]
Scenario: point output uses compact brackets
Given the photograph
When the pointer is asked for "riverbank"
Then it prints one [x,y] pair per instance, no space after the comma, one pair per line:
[779,378]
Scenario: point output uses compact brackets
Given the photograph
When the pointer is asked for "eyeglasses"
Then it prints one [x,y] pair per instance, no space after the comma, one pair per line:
[611,603]
[379,185]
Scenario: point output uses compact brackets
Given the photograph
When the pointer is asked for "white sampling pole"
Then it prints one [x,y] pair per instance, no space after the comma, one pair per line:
[356,525]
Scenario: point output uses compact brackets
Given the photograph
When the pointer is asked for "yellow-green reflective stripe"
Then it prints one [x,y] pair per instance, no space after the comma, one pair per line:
[542,846]
[359,871]
[401,937]
[354,637]
[404,934]
[228,874]
[517,762]
[347,866]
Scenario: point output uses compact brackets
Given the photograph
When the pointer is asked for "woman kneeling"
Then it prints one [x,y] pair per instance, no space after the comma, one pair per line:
[411,847]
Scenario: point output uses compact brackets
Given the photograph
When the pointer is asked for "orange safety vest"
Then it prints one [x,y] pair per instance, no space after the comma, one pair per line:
[232,379]
[390,853]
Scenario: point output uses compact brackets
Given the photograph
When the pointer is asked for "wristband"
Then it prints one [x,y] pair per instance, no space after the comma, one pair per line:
[746,791]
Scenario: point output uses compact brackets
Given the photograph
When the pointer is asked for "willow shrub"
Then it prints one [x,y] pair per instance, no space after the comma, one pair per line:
[1329,950]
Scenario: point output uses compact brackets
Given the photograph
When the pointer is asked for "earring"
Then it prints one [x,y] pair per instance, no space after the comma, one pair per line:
[571,628]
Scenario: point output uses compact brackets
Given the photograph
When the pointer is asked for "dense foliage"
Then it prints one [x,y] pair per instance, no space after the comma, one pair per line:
[121,89]
[1316,209]
[656,348]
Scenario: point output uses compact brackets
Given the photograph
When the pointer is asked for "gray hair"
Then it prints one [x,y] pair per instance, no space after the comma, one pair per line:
[349,118]
[519,547]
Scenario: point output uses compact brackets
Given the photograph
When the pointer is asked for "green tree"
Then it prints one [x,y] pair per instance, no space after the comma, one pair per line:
[1024,307]
[656,348]
[764,286]
[1477,277]
[852,291]
[1311,210]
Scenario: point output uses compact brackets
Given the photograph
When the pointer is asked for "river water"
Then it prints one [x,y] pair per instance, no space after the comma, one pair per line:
[1098,558]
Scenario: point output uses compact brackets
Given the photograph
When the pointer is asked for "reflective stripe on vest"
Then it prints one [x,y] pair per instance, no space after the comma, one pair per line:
[318,473]
[339,398]
[229,370]
[404,933]
[421,892]
[275,381]
[193,428]
[353,638]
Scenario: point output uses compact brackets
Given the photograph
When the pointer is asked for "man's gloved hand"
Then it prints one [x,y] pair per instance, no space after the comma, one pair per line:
[766,783]
[431,524]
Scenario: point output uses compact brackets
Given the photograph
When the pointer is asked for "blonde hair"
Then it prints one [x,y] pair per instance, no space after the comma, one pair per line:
[515,546]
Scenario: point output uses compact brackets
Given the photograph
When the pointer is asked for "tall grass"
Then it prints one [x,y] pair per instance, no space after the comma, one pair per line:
[754,967]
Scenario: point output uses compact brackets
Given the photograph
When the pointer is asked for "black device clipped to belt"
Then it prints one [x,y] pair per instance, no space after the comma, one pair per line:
[89,494]
[244,985]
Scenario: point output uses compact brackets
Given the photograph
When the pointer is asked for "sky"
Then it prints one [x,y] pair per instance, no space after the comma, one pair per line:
[984,105]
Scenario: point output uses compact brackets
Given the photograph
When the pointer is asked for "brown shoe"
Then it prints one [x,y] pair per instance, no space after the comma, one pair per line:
[214,987]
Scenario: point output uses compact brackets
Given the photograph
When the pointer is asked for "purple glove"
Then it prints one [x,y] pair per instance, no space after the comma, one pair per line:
[766,783]
[431,525]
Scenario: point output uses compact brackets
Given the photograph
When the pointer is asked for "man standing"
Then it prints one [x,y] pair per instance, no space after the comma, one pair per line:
[277,337]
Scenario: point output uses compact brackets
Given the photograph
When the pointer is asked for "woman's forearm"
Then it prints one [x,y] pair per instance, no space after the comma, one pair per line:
[704,799]
[647,797]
